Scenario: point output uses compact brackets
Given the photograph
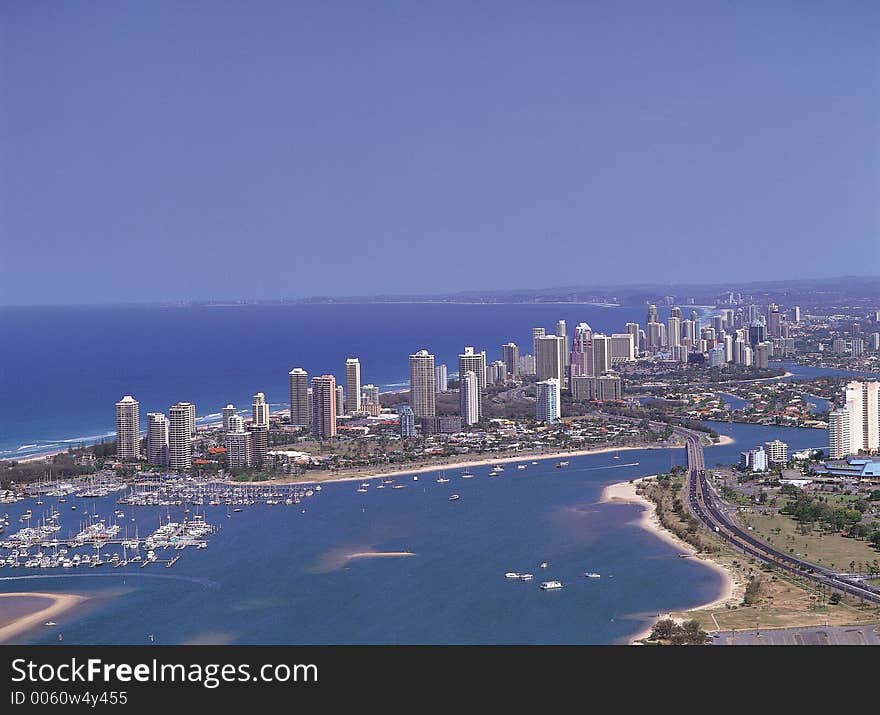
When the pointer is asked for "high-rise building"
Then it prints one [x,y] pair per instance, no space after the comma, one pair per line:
[839,346]
[157,439]
[875,341]
[673,331]
[324,406]
[259,441]
[635,331]
[547,402]
[777,451]
[407,421]
[537,333]
[370,393]
[602,355]
[498,370]
[581,358]
[839,437]
[549,361]
[609,387]
[352,385]
[475,362]
[687,331]
[652,314]
[527,365]
[566,347]
[716,356]
[238,444]
[260,410]
[653,335]
[469,397]
[718,323]
[863,401]
[510,355]
[754,460]
[128,431]
[300,413]
[180,436]
[773,321]
[227,412]
[340,400]
[796,314]
[762,355]
[675,312]
[421,384]
[441,378]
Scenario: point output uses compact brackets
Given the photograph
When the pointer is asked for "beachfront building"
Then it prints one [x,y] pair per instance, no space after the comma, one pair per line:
[128,431]
[561,332]
[548,400]
[260,410]
[157,439]
[421,383]
[352,386]
[324,406]
[753,460]
[475,362]
[469,398]
[180,436]
[581,358]
[300,413]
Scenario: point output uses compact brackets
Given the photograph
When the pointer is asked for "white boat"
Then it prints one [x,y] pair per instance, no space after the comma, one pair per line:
[466,475]
[50,623]
[454,497]
[592,574]
[521,466]
[551,585]
[442,480]
[362,490]
[544,564]
[526,577]
[398,486]
[511,574]
[416,478]
[534,462]
[317,487]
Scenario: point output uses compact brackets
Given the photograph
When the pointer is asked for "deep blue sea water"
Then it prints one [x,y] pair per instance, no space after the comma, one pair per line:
[276,575]
[63,369]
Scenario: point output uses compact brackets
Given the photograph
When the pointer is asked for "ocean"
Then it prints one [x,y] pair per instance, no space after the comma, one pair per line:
[276,575]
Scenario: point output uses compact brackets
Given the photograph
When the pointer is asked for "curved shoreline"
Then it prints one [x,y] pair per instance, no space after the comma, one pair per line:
[625,493]
[59,604]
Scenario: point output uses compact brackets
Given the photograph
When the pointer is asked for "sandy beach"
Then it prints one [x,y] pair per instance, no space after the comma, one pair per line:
[44,607]
[379,554]
[625,492]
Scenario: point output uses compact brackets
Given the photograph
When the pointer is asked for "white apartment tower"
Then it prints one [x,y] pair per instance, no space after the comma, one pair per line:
[469,398]
[547,402]
[128,432]
[227,412]
[839,439]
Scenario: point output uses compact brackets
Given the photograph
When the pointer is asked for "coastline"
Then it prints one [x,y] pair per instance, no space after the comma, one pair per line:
[626,493]
[59,604]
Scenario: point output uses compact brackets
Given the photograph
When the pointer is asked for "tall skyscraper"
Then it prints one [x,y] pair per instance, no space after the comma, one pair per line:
[673,331]
[259,440]
[441,379]
[180,436]
[796,314]
[654,335]
[498,371]
[324,406]
[469,397]
[300,413]
[510,355]
[863,402]
[260,410]
[475,362]
[421,384]
[128,431]
[191,417]
[549,361]
[622,348]
[566,346]
[547,402]
[635,331]
[652,314]
[581,359]
[370,393]
[157,439]
[352,385]
[227,411]
[773,321]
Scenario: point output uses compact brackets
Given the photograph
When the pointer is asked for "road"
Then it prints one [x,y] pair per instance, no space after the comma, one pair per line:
[709,509]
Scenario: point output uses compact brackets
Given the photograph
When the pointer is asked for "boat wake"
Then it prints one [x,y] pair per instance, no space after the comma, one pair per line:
[206,582]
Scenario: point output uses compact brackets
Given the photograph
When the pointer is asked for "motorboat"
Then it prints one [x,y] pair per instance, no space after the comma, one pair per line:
[551,585]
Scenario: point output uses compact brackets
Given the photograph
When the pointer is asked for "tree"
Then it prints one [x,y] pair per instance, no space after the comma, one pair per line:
[663,629]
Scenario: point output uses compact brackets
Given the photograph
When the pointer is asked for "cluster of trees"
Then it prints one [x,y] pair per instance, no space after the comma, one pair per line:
[753,591]
[809,509]
[687,633]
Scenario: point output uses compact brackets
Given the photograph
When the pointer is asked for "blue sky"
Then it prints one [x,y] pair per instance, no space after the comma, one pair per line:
[167,151]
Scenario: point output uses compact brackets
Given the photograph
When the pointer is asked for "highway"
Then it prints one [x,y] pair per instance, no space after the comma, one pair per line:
[709,510]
